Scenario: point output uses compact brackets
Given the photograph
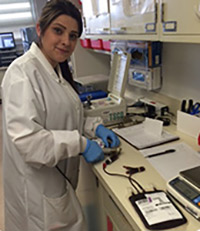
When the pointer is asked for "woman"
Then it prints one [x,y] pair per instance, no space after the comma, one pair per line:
[43,127]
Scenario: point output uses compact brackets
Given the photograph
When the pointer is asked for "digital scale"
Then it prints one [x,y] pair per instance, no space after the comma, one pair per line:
[185,188]
[112,109]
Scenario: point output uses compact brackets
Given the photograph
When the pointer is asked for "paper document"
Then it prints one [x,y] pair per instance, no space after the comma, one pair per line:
[145,135]
[170,164]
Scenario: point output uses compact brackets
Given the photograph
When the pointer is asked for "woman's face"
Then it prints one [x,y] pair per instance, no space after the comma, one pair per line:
[59,39]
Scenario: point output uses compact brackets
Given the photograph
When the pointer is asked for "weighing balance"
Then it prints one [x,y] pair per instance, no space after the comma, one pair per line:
[185,188]
[112,109]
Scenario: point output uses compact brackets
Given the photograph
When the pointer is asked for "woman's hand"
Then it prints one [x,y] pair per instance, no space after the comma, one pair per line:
[109,138]
[93,152]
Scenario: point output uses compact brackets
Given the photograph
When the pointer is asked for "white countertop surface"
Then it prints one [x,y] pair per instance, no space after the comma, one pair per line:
[120,189]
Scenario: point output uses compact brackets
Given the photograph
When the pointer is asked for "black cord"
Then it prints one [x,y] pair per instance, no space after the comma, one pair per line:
[131,180]
[60,171]
[121,175]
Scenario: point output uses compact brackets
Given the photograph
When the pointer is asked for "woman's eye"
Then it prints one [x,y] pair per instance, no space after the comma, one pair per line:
[73,37]
[58,30]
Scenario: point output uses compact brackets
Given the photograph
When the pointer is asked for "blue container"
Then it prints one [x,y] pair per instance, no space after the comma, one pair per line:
[94,95]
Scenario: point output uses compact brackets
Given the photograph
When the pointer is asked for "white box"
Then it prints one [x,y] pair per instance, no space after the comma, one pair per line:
[188,124]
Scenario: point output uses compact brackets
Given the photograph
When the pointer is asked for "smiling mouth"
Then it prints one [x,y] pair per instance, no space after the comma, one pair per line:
[61,50]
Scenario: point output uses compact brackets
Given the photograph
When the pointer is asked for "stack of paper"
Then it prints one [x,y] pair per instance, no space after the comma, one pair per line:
[147,134]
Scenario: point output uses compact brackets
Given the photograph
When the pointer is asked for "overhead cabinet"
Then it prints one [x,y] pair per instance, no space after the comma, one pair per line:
[180,20]
[133,17]
[96,16]
[164,20]
[119,17]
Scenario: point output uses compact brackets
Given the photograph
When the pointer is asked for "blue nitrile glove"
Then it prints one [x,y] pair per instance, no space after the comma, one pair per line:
[106,134]
[93,152]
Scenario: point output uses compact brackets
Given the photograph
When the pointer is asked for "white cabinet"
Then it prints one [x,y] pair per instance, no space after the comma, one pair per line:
[112,219]
[96,16]
[163,20]
[120,17]
[180,20]
[133,16]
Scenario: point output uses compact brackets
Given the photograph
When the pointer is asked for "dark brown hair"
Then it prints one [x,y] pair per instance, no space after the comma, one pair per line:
[52,10]
[55,8]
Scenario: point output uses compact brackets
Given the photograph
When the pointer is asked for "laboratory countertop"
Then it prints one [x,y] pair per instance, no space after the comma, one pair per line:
[120,188]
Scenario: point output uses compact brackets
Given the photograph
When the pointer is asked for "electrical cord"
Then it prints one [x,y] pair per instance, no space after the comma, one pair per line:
[119,175]
[61,172]
[130,171]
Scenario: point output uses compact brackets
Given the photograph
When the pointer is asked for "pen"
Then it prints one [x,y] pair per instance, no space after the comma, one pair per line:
[161,153]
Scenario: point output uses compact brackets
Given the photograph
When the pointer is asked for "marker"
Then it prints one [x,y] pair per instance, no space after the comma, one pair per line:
[161,153]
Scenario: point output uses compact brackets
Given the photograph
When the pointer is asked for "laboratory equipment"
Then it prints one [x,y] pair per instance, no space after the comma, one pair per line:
[185,188]
[112,109]
[7,41]
[146,78]
[7,49]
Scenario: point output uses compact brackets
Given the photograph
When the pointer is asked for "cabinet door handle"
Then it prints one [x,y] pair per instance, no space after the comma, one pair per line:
[84,22]
[162,12]
[156,12]
[151,27]
[168,26]
[119,30]
[105,30]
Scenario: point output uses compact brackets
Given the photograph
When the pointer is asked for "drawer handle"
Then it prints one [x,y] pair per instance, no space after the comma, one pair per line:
[170,26]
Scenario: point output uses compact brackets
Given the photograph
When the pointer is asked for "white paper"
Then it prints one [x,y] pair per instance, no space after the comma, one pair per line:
[169,165]
[153,126]
[157,208]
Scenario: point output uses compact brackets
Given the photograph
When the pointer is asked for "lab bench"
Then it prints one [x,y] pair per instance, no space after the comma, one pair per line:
[116,210]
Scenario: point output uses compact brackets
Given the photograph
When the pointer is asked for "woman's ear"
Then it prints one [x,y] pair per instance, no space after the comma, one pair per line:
[38,31]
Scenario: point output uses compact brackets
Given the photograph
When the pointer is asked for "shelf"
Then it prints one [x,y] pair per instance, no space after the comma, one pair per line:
[99,51]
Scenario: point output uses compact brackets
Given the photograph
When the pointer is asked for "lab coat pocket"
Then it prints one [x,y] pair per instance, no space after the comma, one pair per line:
[60,213]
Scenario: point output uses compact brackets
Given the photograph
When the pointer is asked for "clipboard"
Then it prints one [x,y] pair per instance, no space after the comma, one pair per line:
[138,137]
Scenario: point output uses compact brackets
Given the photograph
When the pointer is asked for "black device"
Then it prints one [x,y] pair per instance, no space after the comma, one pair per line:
[7,41]
[157,210]
[192,175]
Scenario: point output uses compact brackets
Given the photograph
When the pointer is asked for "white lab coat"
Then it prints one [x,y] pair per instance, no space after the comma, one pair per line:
[42,126]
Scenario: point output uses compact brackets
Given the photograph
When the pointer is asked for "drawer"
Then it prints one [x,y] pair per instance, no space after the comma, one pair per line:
[114,214]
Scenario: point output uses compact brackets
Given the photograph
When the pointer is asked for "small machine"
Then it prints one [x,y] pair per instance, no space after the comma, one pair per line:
[112,109]
[185,188]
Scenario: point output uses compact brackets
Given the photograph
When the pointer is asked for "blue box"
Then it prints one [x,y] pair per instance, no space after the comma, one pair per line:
[145,54]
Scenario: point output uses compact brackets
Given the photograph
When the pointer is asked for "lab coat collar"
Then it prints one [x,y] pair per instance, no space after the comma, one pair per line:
[35,50]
